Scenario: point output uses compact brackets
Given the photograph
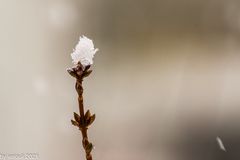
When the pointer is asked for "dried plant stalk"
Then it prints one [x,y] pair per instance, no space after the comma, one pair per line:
[84,120]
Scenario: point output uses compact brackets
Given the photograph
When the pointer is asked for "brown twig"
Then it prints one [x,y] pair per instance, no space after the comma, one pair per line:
[84,120]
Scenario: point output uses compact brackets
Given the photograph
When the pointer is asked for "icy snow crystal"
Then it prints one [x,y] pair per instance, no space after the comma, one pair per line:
[84,52]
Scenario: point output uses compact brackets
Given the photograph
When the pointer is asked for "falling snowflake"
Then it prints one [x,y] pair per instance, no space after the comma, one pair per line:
[220,144]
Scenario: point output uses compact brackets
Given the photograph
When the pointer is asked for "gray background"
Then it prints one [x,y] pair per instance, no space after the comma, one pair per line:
[166,79]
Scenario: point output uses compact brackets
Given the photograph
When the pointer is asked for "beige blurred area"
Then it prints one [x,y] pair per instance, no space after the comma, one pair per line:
[165,82]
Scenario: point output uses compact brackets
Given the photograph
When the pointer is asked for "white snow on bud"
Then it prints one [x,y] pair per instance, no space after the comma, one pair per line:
[84,52]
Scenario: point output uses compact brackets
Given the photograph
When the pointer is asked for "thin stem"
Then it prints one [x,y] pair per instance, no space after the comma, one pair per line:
[85,141]
[79,89]
[83,120]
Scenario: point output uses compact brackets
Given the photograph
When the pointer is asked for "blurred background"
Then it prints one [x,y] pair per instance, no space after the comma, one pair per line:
[165,82]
